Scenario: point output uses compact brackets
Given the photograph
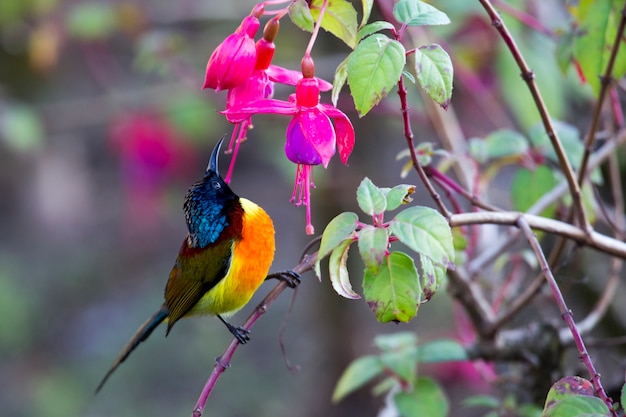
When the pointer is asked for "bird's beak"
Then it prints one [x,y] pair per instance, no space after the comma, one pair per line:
[214,157]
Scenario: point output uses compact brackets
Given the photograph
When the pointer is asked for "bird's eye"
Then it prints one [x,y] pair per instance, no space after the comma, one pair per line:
[216,185]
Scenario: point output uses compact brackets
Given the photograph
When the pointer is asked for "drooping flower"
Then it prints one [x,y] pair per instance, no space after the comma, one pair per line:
[232,62]
[258,86]
[311,137]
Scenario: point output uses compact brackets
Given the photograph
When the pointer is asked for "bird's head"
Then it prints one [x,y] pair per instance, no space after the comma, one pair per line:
[209,204]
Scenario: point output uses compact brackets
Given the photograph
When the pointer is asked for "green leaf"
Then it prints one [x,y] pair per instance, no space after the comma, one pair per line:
[399,354]
[529,186]
[434,71]
[341,75]
[394,293]
[374,68]
[358,373]
[337,230]
[398,195]
[339,19]
[481,401]
[431,279]
[373,27]
[367,11]
[338,271]
[21,128]
[623,396]
[370,198]
[426,232]
[373,243]
[571,141]
[567,387]
[395,341]
[418,13]
[505,143]
[191,115]
[578,406]
[596,33]
[300,15]
[442,350]
[402,364]
[91,20]
[426,399]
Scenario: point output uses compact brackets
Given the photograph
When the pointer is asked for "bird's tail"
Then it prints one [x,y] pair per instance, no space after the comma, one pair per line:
[140,335]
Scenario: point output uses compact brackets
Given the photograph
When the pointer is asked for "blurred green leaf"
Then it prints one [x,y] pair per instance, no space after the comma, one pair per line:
[399,354]
[374,68]
[358,373]
[426,399]
[21,128]
[426,232]
[529,186]
[372,244]
[339,277]
[418,13]
[571,141]
[339,19]
[499,144]
[442,350]
[395,341]
[481,401]
[370,198]
[540,56]
[91,20]
[597,29]
[337,230]
[192,116]
[393,294]
[623,397]
[434,71]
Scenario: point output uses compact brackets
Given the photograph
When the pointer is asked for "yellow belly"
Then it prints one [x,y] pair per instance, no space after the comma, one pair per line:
[251,261]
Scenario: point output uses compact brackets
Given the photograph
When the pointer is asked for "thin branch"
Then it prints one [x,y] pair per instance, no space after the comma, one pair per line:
[594,240]
[529,77]
[408,135]
[223,362]
[589,322]
[566,313]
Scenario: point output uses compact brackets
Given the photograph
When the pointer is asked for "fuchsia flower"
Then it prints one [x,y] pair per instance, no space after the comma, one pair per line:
[258,86]
[311,137]
[232,62]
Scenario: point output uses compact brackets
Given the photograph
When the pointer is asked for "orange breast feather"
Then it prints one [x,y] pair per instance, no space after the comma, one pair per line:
[251,260]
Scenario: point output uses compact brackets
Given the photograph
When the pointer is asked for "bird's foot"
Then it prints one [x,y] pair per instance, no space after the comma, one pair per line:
[241,334]
[291,278]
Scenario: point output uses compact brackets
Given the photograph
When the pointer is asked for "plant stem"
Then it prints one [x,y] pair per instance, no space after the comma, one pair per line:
[566,313]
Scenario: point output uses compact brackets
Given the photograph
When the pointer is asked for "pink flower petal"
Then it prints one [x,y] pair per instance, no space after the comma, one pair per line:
[261,106]
[291,77]
[319,131]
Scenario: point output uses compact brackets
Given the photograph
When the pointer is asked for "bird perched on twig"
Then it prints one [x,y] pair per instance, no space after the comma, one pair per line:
[223,260]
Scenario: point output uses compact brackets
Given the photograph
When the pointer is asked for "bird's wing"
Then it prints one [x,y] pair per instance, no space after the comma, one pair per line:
[195,272]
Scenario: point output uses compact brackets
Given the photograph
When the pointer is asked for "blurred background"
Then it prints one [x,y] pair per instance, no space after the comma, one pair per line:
[103,127]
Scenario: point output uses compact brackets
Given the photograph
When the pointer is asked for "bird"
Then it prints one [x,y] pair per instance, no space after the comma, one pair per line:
[222,261]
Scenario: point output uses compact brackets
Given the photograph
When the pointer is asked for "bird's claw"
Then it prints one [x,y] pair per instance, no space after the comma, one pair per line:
[241,334]
[291,278]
